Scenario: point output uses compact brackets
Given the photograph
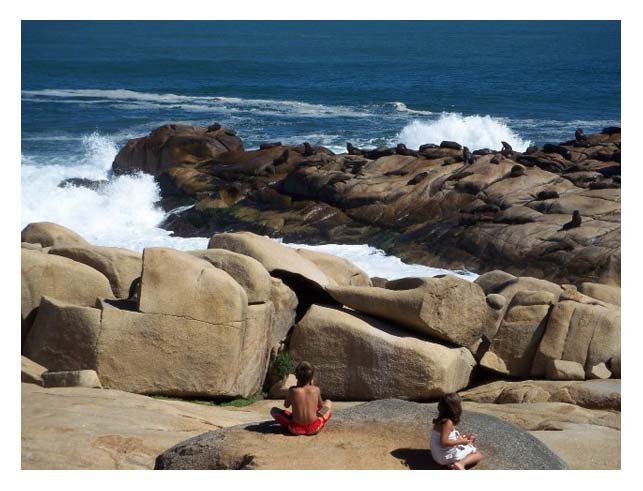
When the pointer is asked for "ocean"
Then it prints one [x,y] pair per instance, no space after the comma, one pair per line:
[89,86]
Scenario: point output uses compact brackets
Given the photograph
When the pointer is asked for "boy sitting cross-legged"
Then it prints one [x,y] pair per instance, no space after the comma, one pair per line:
[309,412]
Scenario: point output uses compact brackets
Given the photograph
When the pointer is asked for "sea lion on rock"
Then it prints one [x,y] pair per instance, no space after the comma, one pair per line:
[135,290]
[427,146]
[352,150]
[496,159]
[517,171]
[265,146]
[282,159]
[417,178]
[531,149]
[611,130]
[547,194]
[467,156]
[579,135]
[308,150]
[214,127]
[574,222]
[451,145]
[506,148]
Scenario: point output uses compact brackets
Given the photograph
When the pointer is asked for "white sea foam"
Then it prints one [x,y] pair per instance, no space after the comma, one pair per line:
[473,131]
[403,108]
[130,99]
[377,263]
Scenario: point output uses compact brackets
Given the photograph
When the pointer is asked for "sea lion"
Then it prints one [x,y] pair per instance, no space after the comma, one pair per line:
[214,127]
[547,194]
[467,156]
[419,177]
[265,146]
[506,148]
[574,222]
[496,159]
[135,290]
[308,150]
[282,159]
[517,171]
[451,145]
[579,135]
[352,150]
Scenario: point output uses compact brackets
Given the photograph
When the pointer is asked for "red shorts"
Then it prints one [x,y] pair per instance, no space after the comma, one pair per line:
[284,418]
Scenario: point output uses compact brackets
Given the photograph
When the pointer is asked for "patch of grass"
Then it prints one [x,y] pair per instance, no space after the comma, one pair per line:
[242,402]
[282,365]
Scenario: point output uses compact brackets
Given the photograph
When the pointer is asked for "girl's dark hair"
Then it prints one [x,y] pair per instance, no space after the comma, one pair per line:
[449,407]
[304,373]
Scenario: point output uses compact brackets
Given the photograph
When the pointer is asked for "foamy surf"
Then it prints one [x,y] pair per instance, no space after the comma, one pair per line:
[473,131]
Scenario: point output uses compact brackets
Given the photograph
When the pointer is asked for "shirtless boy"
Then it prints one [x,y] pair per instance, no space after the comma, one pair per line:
[309,412]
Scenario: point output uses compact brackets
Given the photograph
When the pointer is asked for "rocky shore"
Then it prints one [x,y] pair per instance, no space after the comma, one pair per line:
[551,212]
[228,321]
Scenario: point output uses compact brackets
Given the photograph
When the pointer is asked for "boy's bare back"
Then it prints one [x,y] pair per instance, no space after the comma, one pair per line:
[305,402]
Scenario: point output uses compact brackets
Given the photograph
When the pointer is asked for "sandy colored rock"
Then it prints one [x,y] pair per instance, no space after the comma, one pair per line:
[73,378]
[245,270]
[515,343]
[591,394]
[29,245]
[285,302]
[79,428]
[388,434]
[565,370]
[584,446]
[448,308]
[606,293]
[273,256]
[64,336]
[599,371]
[163,354]
[49,234]
[30,371]
[60,278]
[178,284]
[494,281]
[547,416]
[279,390]
[340,270]
[120,266]
[357,357]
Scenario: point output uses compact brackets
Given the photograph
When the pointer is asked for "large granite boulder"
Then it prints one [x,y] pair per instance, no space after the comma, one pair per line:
[64,336]
[175,144]
[340,270]
[448,308]
[605,293]
[245,270]
[587,334]
[385,434]
[361,358]
[285,303]
[178,284]
[274,256]
[49,234]
[591,394]
[120,266]
[57,277]
[514,345]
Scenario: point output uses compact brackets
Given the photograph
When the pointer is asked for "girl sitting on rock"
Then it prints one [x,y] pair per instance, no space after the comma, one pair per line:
[448,446]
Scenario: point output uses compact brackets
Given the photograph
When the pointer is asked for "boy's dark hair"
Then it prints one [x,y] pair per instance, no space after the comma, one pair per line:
[304,373]
[449,407]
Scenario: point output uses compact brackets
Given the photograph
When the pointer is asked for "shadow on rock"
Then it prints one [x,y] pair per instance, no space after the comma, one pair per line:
[417,459]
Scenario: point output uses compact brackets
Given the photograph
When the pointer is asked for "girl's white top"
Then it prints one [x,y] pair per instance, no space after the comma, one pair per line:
[449,455]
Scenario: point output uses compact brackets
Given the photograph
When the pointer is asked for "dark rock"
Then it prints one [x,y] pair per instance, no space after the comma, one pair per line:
[400,428]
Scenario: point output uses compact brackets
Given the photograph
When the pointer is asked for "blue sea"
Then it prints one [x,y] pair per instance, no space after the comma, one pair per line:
[87,87]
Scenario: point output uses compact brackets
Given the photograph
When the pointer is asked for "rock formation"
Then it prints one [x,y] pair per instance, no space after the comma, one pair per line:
[429,206]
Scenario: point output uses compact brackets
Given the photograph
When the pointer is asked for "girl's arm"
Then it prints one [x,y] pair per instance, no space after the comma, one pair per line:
[447,428]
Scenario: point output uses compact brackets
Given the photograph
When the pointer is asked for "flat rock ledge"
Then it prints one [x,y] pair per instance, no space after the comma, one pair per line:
[384,434]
